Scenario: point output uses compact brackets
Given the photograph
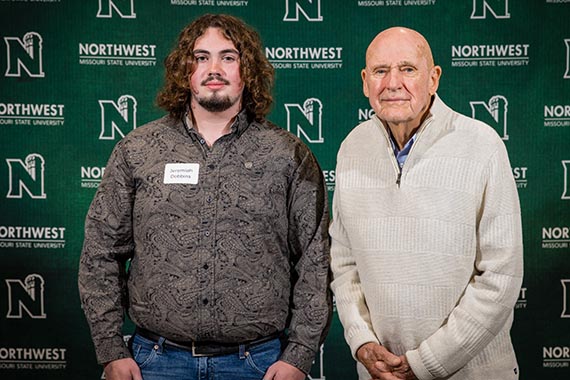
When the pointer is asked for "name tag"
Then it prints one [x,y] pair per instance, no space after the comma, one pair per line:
[181,173]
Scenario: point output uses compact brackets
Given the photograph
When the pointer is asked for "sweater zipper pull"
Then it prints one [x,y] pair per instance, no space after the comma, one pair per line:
[399,178]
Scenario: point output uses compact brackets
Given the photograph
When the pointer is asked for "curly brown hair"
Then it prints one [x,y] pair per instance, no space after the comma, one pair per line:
[255,70]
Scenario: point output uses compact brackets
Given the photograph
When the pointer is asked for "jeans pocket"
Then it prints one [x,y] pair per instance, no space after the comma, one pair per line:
[262,356]
[143,351]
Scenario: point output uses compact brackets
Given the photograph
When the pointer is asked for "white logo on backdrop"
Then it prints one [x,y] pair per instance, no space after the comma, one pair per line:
[557,115]
[521,302]
[295,57]
[91,176]
[330,179]
[496,108]
[306,120]
[555,237]
[120,117]
[24,54]
[566,192]
[26,175]
[490,55]
[556,357]
[565,299]
[318,369]
[310,9]
[499,9]
[124,8]
[26,296]
[519,174]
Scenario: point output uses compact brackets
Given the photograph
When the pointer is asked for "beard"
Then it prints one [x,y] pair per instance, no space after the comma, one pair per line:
[217,103]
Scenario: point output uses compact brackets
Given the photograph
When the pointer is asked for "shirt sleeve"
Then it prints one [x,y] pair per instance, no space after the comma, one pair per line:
[107,246]
[311,299]
[349,296]
[488,301]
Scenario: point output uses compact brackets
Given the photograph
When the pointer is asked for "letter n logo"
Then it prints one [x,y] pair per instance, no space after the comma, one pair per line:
[28,176]
[306,121]
[318,370]
[566,193]
[124,8]
[494,113]
[24,54]
[565,299]
[27,296]
[567,73]
[499,9]
[311,9]
[120,117]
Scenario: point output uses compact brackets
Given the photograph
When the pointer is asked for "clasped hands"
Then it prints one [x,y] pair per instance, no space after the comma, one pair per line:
[381,364]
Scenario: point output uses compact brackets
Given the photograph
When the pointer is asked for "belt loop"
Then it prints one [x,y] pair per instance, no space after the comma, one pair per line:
[242,351]
[159,346]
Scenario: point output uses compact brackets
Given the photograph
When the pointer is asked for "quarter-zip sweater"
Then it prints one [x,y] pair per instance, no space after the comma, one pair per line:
[236,251]
[428,261]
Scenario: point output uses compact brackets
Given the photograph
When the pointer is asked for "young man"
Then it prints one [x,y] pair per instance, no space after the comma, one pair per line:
[426,234]
[224,219]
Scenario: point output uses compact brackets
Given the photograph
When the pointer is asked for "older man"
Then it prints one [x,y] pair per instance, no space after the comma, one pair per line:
[426,233]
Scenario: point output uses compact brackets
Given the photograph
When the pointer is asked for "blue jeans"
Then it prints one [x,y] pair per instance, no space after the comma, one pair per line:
[159,361]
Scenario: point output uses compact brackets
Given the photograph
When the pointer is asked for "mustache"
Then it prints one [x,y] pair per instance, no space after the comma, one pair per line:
[215,77]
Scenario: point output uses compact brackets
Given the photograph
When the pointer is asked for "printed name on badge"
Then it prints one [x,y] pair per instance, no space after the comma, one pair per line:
[181,173]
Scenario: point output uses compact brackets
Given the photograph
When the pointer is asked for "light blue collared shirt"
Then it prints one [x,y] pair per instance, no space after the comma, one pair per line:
[401,155]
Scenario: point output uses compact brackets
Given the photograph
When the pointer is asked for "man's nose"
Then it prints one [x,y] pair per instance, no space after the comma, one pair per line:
[215,67]
[394,78]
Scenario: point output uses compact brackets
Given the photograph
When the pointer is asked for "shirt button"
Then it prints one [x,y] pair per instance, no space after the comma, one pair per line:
[205,266]
[205,301]
[207,233]
[209,199]
[202,141]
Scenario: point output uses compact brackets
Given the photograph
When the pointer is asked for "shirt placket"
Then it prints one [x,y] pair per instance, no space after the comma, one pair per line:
[210,177]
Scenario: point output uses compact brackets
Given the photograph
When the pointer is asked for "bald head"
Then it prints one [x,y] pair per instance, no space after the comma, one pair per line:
[400,35]
[400,78]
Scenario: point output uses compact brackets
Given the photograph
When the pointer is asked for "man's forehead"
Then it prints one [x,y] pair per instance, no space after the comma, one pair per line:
[204,41]
[399,57]
[206,50]
[393,46]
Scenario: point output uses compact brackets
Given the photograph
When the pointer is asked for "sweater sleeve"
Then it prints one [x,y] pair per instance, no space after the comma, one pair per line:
[107,246]
[488,300]
[349,295]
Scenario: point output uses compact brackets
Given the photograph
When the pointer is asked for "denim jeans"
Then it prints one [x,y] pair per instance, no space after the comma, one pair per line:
[159,361]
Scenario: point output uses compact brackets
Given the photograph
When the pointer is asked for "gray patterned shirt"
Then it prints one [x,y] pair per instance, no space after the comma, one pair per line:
[238,250]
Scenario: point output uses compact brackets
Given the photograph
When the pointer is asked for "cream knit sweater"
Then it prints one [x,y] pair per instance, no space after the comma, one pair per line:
[430,267]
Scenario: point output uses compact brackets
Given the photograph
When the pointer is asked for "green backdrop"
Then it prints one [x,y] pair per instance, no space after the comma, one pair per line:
[75,76]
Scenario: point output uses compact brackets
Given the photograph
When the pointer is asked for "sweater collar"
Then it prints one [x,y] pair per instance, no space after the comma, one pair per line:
[436,109]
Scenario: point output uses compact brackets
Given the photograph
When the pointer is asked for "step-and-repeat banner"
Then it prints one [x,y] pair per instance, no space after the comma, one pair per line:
[76,76]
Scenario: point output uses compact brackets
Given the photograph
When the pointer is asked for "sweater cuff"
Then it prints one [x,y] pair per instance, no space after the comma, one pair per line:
[357,340]
[424,363]
[415,362]
[110,349]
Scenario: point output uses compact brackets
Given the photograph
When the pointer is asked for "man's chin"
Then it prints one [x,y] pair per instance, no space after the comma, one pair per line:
[216,104]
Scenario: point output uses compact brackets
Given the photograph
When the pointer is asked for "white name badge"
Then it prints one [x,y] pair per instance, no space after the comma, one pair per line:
[181,173]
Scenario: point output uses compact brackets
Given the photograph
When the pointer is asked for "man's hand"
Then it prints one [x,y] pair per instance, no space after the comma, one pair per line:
[381,364]
[283,371]
[401,372]
[122,369]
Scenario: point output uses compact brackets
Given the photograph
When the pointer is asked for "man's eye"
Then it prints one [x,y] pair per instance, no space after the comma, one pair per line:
[229,58]
[200,58]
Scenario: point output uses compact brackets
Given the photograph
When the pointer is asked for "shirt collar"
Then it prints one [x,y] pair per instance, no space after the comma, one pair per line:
[239,125]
